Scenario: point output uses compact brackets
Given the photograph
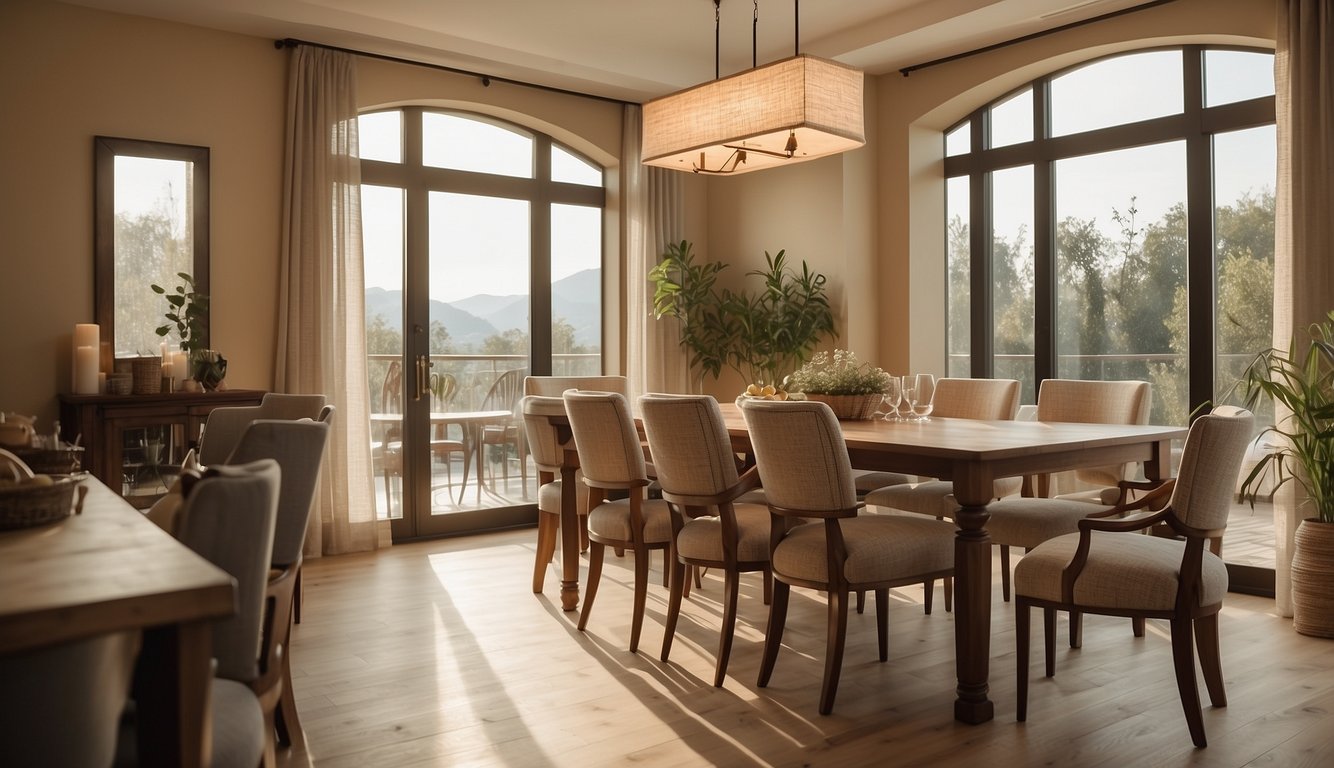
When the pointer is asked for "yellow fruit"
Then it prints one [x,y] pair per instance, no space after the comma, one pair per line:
[768,389]
[752,390]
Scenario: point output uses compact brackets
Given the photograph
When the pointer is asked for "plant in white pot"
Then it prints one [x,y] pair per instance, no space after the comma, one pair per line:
[1301,383]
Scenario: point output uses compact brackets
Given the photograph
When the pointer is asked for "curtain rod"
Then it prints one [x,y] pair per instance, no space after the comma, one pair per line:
[988,48]
[487,80]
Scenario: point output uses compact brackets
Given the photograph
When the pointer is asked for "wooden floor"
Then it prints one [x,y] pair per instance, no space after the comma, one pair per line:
[438,654]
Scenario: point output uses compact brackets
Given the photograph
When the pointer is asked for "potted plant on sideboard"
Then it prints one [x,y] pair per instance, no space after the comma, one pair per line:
[1301,383]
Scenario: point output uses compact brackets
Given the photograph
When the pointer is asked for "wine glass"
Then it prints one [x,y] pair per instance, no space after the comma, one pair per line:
[892,396]
[924,391]
[908,393]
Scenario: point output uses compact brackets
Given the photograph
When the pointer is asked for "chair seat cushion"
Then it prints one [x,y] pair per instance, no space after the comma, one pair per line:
[1029,522]
[1124,571]
[548,497]
[880,548]
[238,724]
[702,537]
[611,520]
[867,480]
[933,497]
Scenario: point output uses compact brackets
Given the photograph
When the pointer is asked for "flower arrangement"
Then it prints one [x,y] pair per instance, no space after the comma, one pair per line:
[837,373]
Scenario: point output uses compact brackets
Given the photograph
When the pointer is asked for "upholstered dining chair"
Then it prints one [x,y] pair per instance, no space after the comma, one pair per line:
[228,517]
[1028,521]
[548,454]
[711,528]
[298,447]
[804,467]
[223,426]
[555,386]
[612,459]
[1108,569]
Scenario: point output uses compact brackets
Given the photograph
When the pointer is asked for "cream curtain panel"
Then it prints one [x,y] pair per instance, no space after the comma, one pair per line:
[1304,216]
[654,217]
[321,329]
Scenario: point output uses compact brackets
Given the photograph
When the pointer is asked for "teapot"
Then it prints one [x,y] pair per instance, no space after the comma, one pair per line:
[16,430]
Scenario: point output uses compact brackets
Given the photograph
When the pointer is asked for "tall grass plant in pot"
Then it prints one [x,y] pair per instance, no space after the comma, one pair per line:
[1300,446]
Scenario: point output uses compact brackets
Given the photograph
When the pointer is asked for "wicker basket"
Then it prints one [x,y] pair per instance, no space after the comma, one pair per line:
[147,375]
[45,461]
[850,407]
[29,505]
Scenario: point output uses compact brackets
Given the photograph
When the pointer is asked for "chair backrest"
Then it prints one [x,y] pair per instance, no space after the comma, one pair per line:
[801,455]
[543,443]
[688,441]
[989,399]
[228,519]
[610,454]
[1210,460]
[444,388]
[224,425]
[298,447]
[554,386]
[1096,402]
[505,392]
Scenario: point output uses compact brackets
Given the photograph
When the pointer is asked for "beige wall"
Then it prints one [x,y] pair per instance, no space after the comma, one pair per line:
[68,74]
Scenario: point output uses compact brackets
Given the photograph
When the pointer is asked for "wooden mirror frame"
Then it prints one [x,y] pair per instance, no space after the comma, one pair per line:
[105,151]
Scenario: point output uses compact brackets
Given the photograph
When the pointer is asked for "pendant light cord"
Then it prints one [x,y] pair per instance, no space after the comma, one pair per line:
[717,39]
[755,35]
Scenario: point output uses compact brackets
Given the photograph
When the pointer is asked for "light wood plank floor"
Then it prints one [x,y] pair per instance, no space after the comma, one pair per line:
[438,654]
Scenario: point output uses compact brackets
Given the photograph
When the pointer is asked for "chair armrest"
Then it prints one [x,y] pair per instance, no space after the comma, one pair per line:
[1120,525]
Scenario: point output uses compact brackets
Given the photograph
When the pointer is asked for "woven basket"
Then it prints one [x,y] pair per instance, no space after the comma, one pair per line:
[29,505]
[147,375]
[45,461]
[849,407]
[1313,579]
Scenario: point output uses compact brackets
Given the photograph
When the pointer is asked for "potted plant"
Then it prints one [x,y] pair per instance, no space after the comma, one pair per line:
[186,311]
[851,387]
[759,335]
[1301,383]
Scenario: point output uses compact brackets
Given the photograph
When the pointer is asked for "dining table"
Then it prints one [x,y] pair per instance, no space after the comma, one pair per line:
[470,422]
[109,569]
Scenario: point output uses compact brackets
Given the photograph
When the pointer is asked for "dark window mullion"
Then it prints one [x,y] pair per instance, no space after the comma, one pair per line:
[1199,234]
[982,348]
[539,292]
[1044,241]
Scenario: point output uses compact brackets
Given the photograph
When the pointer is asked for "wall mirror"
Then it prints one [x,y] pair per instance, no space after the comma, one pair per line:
[150,212]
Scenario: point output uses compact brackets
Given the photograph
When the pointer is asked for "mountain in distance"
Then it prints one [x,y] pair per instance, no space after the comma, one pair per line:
[577,298]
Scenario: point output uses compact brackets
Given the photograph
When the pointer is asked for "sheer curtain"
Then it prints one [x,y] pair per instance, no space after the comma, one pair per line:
[654,217]
[1304,218]
[321,329]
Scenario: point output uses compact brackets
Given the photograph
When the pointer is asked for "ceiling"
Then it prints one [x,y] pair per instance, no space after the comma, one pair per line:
[629,49]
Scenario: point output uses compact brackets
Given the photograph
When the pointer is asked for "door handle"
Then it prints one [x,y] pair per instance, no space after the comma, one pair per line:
[423,366]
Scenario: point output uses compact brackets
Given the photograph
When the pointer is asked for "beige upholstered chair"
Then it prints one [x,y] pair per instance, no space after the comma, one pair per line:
[612,459]
[803,463]
[224,425]
[1107,569]
[1026,522]
[697,470]
[298,447]
[555,386]
[548,454]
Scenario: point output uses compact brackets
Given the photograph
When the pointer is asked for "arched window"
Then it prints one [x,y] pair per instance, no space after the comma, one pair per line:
[1115,221]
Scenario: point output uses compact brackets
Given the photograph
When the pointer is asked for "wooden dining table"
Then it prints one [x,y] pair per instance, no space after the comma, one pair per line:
[973,454]
[109,570]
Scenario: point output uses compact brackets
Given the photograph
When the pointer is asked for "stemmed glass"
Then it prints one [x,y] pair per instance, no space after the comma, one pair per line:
[923,391]
[892,396]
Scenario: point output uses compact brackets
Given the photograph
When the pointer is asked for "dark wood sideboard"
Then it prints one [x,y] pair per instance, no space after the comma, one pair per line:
[135,443]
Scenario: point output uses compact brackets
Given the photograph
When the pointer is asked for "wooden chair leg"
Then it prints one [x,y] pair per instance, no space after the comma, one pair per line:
[1137,626]
[547,525]
[595,552]
[641,596]
[928,594]
[286,722]
[1076,629]
[1005,572]
[678,586]
[773,636]
[768,585]
[949,593]
[731,589]
[882,622]
[836,637]
[1049,639]
[583,533]
[861,601]
[1183,659]
[1211,662]
[297,594]
[666,567]
[1022,632]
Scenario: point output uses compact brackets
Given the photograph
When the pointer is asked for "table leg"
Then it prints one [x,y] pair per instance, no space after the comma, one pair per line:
[569,540]
[172,688]
[972,602]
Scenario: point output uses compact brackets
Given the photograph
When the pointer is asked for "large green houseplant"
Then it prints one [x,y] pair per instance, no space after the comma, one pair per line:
[761,335]
[1300,381]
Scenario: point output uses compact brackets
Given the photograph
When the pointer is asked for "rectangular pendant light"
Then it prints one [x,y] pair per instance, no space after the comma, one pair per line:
[748,121]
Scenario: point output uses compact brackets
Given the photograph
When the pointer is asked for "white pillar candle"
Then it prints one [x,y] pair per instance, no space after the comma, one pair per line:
[181,365]
[168,371]
[85,335]
[85,370]
[166,351]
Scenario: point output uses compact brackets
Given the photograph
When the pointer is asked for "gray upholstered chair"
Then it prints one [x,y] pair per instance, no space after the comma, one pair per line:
[1105,568]
[804,466]
[298,447]
[612,459]
[548,454]
[1029,521]
[224,426]
[710,528]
